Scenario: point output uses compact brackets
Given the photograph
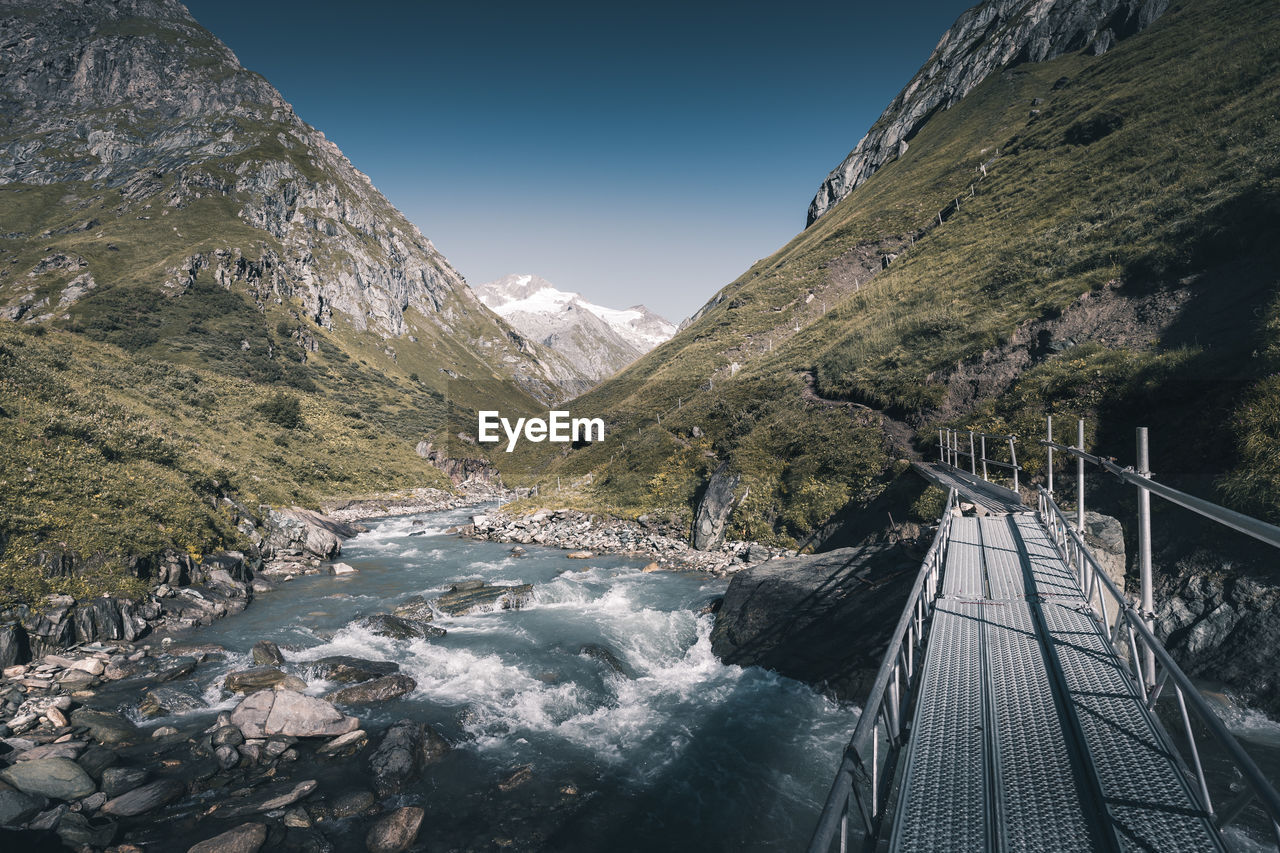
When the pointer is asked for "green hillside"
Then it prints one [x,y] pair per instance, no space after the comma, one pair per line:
[1120,210]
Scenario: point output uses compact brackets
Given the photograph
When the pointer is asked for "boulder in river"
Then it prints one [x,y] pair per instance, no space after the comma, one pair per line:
[346,670]
[277,795]
[105,727]
[119,780]
[794,615]
[145,798]
[385,625]
[598,652]
[253,679]
[245,838]
[79,831]
[469,596]
[284,712]
[405,749]
[163,701]
[267,653]
[396,832]
[17,807]
[376,690]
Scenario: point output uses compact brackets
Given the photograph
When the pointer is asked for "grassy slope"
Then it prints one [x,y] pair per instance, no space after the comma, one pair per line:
[1154,163]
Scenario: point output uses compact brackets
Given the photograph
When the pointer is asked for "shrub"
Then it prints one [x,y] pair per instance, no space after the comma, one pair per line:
[282,410]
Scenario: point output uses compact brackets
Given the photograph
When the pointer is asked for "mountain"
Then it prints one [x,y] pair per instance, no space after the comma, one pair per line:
[989,37]
[1083,233]
[204,301]
[597,341]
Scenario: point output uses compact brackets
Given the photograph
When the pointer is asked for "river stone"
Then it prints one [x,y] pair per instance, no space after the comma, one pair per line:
[177,668]
[395,832]
[56,778]
[285,712]
[227,756]
[163,701]
[352,804]
[470,596]
[69,749]
[121,780]
[405,749]
[608,658]
[267,653]
[277,795]
[251,680]
[17,807]
[227,734]
[105,727]
[345,744]
[78,831]
[144,799]
[344,669]
[97,759]
[377,690]
[386,625]
[246,838]
[416,608]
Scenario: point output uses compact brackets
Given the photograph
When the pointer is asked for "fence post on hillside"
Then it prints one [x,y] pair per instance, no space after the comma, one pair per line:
[1144,554]
[1080,477]
[1048,468]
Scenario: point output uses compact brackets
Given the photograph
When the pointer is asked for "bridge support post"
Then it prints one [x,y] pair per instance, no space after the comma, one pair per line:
[1080,477]
[1144,554]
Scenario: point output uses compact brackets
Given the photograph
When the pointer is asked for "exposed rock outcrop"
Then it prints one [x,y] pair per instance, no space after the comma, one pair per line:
[712,520]
[824,619]
[987,38]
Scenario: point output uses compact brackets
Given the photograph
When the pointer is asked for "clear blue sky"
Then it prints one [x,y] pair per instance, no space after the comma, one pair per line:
[645,152]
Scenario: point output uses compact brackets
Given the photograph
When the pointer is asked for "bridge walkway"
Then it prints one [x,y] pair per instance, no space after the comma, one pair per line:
[994,499]
[1027,734]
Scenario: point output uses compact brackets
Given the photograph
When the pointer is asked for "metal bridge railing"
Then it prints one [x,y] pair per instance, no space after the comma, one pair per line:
[1152,668]
[951,448]
[866,769]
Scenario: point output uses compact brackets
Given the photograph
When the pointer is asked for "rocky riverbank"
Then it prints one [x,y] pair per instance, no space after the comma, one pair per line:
[105,747]
[588,534]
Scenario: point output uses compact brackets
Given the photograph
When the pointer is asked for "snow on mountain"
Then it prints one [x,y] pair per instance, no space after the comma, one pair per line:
[599,341]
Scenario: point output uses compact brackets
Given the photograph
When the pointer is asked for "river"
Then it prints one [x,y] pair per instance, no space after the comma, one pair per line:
[675,752]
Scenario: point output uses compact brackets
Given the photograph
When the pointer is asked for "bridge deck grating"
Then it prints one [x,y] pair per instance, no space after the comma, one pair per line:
[1026,734]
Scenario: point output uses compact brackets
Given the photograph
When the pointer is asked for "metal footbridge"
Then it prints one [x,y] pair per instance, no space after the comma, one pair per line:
[1025,704]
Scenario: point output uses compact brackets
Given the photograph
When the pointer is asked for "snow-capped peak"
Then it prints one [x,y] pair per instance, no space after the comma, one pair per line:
[606,338]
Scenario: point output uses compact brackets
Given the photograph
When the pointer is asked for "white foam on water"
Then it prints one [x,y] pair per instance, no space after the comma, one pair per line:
[1244,722]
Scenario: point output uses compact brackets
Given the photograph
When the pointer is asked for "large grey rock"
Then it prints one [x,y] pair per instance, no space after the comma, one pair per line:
[474,596]
[306,530]
[377,690]
[405,749]
[106,727]
[143,799]
[386,625]
[253,679]
[396,832]
[120,780]
[794,615]
[345,669]
[284,712]
[17,807]
[246,838]
[79,831]
[14,648]
[56,778]
[718,500]
[987,38]
[162,701]
[267,653]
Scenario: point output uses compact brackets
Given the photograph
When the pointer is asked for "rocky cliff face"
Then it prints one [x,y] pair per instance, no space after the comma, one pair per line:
[988,37]
[597,341]
[141,114]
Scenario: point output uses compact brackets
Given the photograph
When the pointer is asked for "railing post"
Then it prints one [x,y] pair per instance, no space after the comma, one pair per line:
[1144,552]
[1013,460]
[1080,477]
[1049,464]
[984,456]
[973,462]
[942,453]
